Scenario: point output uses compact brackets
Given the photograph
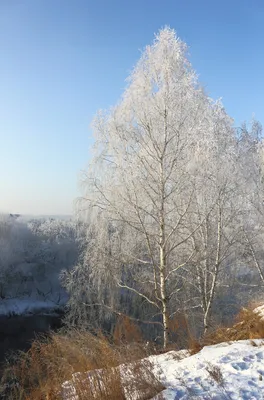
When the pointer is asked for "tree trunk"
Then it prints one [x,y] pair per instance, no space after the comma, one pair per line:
[164,299]
[162,249]
[256,262]
[215,271]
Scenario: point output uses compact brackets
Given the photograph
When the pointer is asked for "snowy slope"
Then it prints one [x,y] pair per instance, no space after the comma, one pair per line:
[238,367]
[223,371]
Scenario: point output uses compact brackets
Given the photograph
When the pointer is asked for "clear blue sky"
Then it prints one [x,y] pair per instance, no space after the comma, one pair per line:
[61,60]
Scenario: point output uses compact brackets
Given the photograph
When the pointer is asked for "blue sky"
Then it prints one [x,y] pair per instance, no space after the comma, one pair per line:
[62,60]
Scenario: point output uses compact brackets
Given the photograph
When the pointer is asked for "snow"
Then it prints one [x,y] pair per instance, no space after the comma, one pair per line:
[232,370]
[29,305]
[241,366]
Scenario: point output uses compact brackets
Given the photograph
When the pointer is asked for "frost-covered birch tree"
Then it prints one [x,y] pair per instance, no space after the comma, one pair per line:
[141,186]
[233,228]
[250,144]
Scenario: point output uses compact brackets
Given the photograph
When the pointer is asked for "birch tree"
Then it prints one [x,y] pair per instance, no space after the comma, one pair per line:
[233,228]
[141,186]
[219,212]
[251,159]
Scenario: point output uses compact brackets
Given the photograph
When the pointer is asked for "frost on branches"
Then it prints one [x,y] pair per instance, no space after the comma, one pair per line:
[164,196]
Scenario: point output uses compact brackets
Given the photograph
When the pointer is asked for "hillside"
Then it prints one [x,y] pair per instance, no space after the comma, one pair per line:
[233,370]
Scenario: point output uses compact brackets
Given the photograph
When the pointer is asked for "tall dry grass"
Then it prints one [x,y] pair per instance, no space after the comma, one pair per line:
[89,361]
[247,325]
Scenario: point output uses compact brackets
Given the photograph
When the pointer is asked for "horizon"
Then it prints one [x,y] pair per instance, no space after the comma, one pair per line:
[63,61]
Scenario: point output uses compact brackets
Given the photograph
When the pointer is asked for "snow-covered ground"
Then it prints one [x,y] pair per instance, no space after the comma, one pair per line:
[224,371]
[29,305]
[39,292]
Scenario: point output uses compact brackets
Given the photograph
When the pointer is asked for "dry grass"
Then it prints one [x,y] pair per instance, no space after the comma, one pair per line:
[215,373]
[247,325]
[48,363]
[126,331]
[97,384]
[91,360]
[194,346]
[130,382]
